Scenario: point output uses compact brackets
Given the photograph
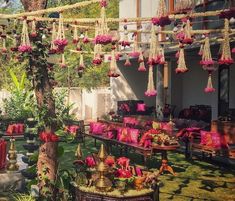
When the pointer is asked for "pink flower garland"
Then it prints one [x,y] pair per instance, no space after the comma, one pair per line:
[25,48]
[103,39]
[61,44]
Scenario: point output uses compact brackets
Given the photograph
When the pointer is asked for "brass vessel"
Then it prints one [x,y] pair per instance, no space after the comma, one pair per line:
[12,156]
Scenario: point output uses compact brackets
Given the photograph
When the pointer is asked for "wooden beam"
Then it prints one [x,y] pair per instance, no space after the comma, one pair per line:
[138,14]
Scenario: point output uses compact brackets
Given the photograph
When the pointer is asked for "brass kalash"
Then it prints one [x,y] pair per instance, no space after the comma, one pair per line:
[102,183]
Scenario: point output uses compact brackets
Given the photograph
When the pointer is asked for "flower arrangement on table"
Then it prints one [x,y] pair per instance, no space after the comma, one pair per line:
[122,175]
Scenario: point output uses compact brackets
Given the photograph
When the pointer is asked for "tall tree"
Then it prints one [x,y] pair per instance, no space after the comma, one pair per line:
[38,72]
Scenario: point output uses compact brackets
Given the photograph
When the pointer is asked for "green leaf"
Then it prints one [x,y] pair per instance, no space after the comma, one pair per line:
[60,151]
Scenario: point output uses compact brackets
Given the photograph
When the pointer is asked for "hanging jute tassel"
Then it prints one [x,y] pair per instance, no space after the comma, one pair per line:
[187,33]
[141,63]
[61,42]
[127,62]
[135,51]
[4,49]
[97,60]
[14,47]
[79,46]
[201,50]
[63,63]
[181,67]
[162,17]
[25,45]
[161,56]
[150,89]
[209,88]
[154,47]
[86,38]
[33,30]
[75,35]
[53,48]
[125,38]
[226,58]
[206,55]
[113,66]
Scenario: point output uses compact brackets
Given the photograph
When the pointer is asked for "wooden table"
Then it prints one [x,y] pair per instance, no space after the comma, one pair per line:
[91,194]
[163,150]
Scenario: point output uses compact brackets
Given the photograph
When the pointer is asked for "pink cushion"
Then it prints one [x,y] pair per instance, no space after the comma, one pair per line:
[193,129]
[133,135]
[130,120]
[141,107]
[123,135]
[216,143]
[110,135]
[97,128]
[204,137]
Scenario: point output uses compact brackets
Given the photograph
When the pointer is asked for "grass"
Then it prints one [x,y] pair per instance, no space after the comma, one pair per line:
[195,181]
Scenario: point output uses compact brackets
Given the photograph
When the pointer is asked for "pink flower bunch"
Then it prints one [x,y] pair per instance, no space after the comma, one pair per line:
[151,93]
[103,3]
[125,43]
[142,68]
[127,63]
[209,89]
[124,162]
[226,61]
[103,39]
[207,63]
[90,161]
[181,70]
[162,21]
[134,54]
[52,51]
[75,41]
[121,173]
[110,161]
[86,40]
[187,41]
[182,38]
[14,49]
[33,35]
[152,61]
[61,44]
[112,74]
[97,61]
[25,48]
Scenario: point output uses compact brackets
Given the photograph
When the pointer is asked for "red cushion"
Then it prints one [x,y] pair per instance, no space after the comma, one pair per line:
[206,138]
[97,128]
[141,107]
[133,135]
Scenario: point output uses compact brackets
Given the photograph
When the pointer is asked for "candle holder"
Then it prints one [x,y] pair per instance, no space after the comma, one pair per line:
[12,156]
[102,183]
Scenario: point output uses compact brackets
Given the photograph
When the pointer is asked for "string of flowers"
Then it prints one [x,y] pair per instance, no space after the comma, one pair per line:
[161,56]
[14,47]
[226,57]
[61,42]
[113,70]
[181,67]
[185,34]
[25,45]
[53,48]
[150,89]
[86,38]
[141,63]
[75,35]
[63,63]
[97,60]
[33,33]
[209,88]
[4,49]
[125,39]
[162,17]
[201,50]
[81,66]
[154,47]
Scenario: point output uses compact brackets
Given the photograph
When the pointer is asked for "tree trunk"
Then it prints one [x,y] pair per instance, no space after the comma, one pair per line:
[38,70]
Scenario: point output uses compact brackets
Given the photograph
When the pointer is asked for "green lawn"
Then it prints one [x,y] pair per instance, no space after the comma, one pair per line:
[195,181]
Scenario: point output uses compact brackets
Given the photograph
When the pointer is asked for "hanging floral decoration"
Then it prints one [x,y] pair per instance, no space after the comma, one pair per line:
[183,6]
[150,89]
[97,60]
[14,47]
[228,14]
[63,63]
[113,70]
[4,49]
[206,54]
[127,62]
[201,50]
[53,48]
[75,35]
[61,42]
[25,45]
[141,63]
[135,52]
[154,47]
[125,40]
[79,46]
[181,67]
[209,88]
[33,33]
[161,56]
[86,38]
[162,17]
[102,36]
[185,36]
[81,66]
[226,57]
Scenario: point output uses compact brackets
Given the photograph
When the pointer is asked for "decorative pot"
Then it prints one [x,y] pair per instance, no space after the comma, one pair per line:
[139,183]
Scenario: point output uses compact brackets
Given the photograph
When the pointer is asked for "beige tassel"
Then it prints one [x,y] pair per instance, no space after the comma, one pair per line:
[150,89]
[25,45]
[206,54]
[209,88]
[113,66]
[181,68]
